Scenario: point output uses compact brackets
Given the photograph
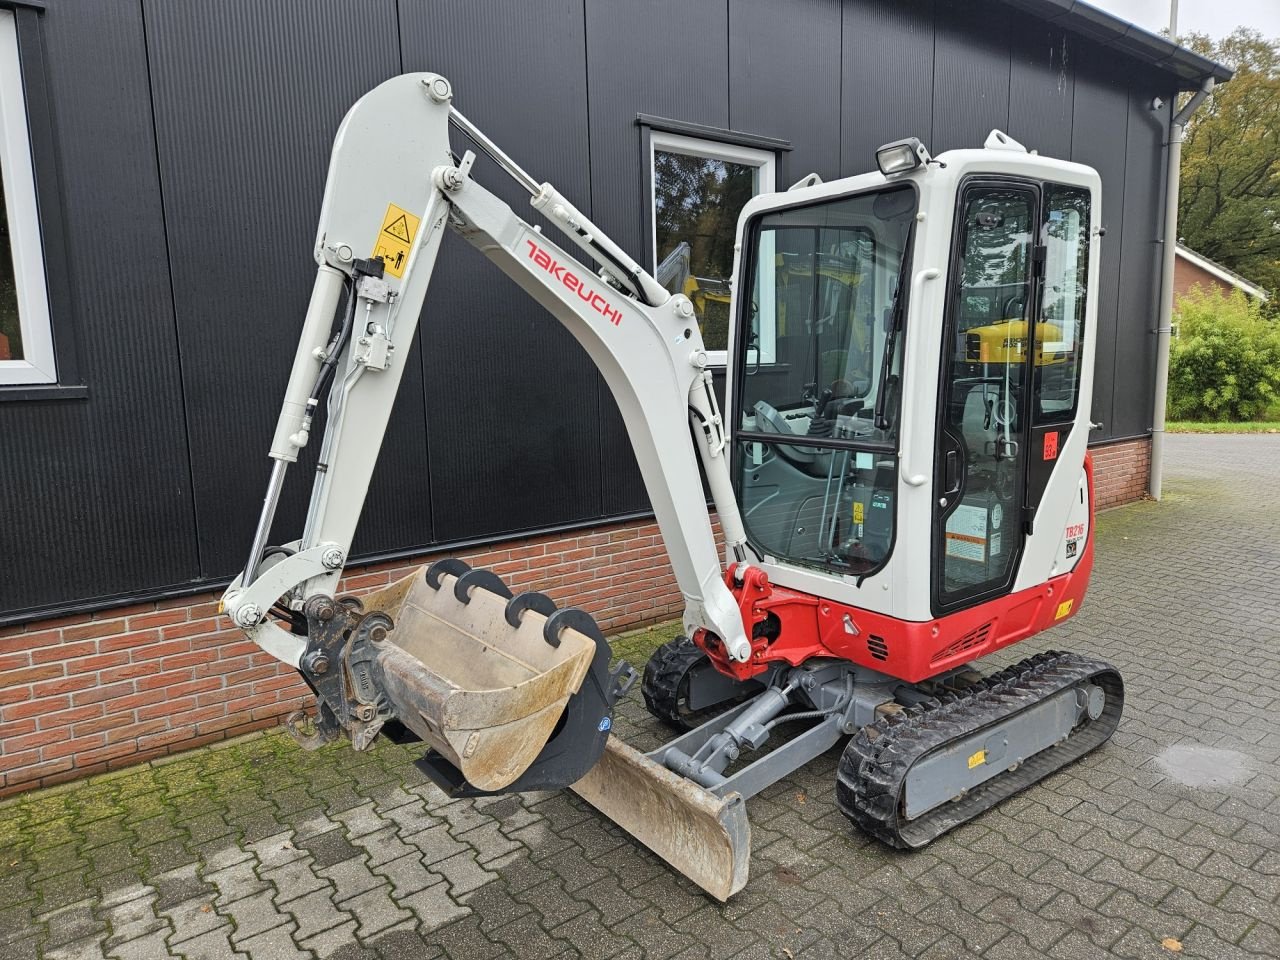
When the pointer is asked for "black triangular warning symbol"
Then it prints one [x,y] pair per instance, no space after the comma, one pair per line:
[398,228]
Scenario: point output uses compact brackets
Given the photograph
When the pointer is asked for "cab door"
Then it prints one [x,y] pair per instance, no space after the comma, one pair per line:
[983,417]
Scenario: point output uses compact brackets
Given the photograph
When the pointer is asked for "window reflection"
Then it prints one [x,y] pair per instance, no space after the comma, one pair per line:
[10,328]
[696,205]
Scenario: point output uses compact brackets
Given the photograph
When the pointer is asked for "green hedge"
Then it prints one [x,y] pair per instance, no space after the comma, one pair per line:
[1224,363]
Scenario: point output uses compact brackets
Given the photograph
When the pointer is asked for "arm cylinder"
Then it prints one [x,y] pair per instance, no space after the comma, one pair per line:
[288,439]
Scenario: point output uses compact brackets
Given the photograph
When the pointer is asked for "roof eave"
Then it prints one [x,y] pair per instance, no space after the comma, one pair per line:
[1108,30]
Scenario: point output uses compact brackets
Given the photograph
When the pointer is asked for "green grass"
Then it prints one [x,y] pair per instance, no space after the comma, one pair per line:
[1260,426]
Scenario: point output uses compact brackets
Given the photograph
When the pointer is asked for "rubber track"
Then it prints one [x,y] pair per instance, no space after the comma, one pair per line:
[873,770]
[662,675]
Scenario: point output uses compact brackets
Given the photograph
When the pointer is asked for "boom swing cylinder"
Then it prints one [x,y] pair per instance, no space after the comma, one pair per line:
[822,626]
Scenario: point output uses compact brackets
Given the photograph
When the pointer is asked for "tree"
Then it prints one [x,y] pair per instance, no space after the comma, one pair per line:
[1229,205]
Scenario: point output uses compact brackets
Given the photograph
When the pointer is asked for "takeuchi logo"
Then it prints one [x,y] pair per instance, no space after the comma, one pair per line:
[575,283]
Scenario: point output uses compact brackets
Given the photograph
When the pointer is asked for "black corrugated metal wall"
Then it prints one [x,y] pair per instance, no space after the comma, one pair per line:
[192,143]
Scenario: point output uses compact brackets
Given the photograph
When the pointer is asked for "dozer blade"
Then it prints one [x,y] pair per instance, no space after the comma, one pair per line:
[705,837]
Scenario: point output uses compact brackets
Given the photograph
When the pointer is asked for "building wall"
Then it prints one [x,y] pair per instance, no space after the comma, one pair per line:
[1121,471]
[190,144]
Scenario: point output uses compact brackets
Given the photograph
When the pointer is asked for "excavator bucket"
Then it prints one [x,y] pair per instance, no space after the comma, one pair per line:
[483,693]
[510,694]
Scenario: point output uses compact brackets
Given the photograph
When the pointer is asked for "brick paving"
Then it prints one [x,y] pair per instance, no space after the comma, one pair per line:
[1172,830]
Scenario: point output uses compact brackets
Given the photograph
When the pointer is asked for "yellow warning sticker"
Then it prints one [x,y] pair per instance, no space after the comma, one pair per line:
[857,511]
[978,759]
[1064,608]
[395,239]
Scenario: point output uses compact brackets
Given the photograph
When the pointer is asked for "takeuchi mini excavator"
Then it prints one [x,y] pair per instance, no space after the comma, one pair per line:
[902,483]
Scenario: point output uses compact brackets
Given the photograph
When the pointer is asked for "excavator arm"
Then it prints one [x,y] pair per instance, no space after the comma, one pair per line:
[394,187]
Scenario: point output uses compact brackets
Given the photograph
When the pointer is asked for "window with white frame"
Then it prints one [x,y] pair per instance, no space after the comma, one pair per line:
[699,188]
[26,341]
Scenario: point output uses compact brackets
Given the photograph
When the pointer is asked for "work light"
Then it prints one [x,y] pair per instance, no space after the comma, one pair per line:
[901,156]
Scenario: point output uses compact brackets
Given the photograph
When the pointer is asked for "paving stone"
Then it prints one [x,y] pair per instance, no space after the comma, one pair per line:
[294,880]
[435,844]
[405,943]
[253,915]
[351,878]
[374,911]
[192,919]
[149,947]
[73,922]
[31,948]
[327,848]
[275,944]
[526,939]
[235,883]
[276,850]
[463,873]
[132,917]
[488,842]
[463,940]
[383,846]
[412,817]
[433,907]
[361,820]
[331,941]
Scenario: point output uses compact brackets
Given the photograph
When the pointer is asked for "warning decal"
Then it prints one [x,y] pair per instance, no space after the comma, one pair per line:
[399,228]
[395,239]
[967,533]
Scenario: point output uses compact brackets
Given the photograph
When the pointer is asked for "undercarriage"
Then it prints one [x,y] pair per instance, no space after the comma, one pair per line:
[923,758]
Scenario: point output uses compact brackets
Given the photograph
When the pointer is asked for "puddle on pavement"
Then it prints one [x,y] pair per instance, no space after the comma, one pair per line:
[1208,767]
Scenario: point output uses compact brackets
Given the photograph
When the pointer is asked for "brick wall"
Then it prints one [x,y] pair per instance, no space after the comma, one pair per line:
[1121,471]
[83,694]
[1187,275]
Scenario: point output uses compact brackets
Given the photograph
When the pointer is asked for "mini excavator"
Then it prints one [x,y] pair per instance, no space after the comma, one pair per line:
[902,482]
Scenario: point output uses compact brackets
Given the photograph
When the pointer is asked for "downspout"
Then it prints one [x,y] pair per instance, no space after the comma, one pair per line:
[1177,130]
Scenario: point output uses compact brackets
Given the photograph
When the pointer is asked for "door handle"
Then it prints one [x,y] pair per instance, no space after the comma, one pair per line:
[913,350]
[951,473]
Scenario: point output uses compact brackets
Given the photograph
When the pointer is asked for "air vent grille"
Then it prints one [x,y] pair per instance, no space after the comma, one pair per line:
[977,637]
[878,648]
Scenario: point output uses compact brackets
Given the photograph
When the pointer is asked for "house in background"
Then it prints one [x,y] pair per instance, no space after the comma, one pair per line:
[1192,269]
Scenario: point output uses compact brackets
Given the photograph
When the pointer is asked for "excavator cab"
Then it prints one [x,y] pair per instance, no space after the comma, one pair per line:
[901,483]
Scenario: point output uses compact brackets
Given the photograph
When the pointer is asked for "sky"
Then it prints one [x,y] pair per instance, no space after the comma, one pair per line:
[1217,18]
